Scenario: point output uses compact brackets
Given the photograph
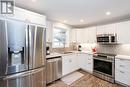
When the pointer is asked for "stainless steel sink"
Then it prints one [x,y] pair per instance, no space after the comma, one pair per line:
[67,52]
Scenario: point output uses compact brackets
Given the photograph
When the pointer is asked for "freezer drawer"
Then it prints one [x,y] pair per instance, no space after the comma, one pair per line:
[33,78]
[16,80]
[54,69]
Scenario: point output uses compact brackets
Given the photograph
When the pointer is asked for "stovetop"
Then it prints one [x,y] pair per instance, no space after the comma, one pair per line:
[105,54]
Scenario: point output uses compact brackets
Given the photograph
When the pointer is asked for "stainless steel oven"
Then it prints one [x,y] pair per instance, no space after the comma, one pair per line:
[107,38]
[104,66]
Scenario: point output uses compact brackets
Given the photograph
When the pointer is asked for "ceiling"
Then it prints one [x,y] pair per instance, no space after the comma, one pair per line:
[91,11]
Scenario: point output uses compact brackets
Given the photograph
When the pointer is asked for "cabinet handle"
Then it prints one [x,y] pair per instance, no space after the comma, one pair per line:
[121,59]
[122,72]
[122,66]
[70,60]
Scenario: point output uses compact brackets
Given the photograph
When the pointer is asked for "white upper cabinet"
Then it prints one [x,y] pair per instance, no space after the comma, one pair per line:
[72,35]
[101,29]
[92,35]
[123,32]
[107,29]
[80,36]
[86,35]
[111,28]
[49,31]
[28,16]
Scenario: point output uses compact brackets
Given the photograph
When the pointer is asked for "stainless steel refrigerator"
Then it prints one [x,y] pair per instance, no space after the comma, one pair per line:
[22,54]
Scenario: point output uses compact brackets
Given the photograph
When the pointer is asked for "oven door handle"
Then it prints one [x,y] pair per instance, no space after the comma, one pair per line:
[103,60]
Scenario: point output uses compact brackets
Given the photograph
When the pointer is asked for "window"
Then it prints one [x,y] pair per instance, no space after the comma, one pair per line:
[60,37]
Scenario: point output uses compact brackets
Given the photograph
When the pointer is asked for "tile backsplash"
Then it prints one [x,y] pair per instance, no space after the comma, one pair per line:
[121,49]
[72,46]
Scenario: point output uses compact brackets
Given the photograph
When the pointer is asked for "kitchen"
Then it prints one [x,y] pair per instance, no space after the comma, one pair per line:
[65,44]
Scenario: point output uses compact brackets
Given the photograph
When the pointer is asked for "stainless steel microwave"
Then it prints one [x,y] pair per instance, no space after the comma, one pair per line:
[107,38]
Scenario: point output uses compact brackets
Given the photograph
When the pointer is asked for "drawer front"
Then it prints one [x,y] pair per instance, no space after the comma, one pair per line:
[122,76]
[122,65]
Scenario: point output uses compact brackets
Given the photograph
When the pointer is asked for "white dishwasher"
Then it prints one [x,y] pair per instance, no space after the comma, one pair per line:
[54,69]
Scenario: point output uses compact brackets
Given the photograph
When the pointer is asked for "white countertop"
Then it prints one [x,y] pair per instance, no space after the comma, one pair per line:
[53,55]
[123,57]
[60,54]
[78,52]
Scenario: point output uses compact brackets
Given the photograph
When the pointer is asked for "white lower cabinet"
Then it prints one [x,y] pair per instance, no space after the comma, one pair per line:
[122,71]
[86,62]
[73,62]
[69,64]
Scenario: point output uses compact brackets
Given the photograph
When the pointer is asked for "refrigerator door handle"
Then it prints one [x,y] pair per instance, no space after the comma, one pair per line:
[36,71]
[18,75]
[34,51]
[6,49]
[26,42]
[31,45]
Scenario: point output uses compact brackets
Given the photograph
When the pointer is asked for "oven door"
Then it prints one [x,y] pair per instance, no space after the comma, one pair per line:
[103,67]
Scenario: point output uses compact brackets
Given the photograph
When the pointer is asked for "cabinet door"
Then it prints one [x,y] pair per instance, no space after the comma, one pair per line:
[92,35]
[101,29]
[110,28]
[80,35]
[28,16]
[86,62]
[122,64]
[73,64]
[69,64]
[66,65]
[36,18]
[86,35]
[122,71]
[123,29]
[107,29]
[19,14]
[83,61]
[79,61]
[122,77]
[49,31]
[90,63]
[73,35]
